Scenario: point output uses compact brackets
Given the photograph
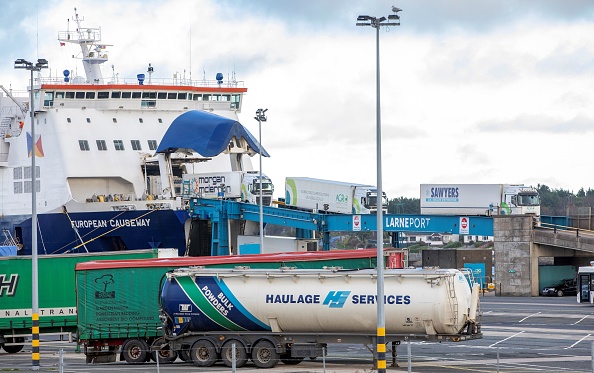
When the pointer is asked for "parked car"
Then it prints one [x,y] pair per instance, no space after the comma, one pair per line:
[567,286]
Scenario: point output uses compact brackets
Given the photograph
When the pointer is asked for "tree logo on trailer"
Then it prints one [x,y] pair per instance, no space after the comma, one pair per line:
[105,281]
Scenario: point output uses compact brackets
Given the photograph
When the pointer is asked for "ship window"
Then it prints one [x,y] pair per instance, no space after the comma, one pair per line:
[206,97]
[28,172]
[69,94]
[114,120]
[68,120]
[152,144]
[136,94]
[28,186]
[160,120]
[101,145]
[235,101]
[116,94]
[48,99]
[141,120]
[162,95]
[126,94]
[90,95]
[171,96]
[182,96]
[119,144]
[59,95]
[18,173]
[136,145]
[88,120]
[103,95]
[84,145]
[197,97]
[149,94]
[215,98]
[225,98]
[18,187]
[80,94]
[148,103]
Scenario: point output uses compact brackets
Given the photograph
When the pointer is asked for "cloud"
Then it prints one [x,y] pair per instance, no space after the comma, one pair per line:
[539,124]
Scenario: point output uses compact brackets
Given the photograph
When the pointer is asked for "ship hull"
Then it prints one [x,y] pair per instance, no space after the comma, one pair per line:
[102,231]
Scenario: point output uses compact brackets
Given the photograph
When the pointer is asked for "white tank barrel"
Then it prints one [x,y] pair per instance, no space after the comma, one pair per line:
[430,302]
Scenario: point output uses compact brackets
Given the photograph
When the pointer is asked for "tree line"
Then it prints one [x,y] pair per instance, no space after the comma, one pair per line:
[558,202]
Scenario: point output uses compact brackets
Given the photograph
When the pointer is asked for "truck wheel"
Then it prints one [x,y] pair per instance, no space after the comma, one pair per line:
[162,351]
[264,355]
[288,360]
[203,353]
[184,355]
[559,293]
[14,349]
[241,357]
[135,351]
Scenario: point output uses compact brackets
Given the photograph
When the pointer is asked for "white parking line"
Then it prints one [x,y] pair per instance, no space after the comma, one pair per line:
[534,314]
[579,320]
[566,348]
[503,340]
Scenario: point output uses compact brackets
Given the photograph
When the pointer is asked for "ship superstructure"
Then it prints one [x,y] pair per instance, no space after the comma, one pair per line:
[98,182]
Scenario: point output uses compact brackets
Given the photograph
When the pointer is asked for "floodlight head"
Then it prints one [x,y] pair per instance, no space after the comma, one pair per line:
[382,19]
[42,61]
[393,16]
[363,18]
[21,63]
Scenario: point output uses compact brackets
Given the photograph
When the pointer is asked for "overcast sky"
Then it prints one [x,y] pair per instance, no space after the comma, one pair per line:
[488,91]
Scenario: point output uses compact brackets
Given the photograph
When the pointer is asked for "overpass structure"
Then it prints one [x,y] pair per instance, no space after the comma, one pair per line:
[518,245]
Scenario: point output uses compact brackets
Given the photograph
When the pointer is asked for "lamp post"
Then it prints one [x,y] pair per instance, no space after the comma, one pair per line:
[377,22]
[40,64]
[261,117]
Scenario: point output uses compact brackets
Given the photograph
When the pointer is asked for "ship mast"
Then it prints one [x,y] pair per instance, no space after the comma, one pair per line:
[93,53]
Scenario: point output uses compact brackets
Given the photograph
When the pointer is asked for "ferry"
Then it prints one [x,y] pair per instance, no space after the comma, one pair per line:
[100,184]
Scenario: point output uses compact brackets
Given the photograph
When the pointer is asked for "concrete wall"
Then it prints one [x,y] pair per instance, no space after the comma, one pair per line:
[512,249]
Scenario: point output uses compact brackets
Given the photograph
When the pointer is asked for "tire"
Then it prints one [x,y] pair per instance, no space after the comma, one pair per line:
[288,360]
[241,356]
[203,353]
[165,354]
[264,355]
[559,293]
[14,349]
[135,351]
[184,355]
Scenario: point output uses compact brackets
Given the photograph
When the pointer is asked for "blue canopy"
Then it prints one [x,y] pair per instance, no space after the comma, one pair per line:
[205,133]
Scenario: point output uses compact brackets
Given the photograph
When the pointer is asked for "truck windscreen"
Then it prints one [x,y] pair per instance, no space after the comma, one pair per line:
[528,200]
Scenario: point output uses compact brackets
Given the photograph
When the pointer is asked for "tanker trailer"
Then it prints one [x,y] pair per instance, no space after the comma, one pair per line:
[288,314]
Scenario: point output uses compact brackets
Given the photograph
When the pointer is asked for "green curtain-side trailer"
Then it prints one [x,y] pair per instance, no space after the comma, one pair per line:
[56,290]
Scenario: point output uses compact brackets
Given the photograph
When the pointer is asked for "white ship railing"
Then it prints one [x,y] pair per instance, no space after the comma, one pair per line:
[154,81]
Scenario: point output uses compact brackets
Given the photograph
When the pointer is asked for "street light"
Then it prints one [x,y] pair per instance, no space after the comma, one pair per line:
[261,117]
[40,64]
[375,22]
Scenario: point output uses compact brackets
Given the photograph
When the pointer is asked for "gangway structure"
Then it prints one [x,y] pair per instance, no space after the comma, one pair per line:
[226,216]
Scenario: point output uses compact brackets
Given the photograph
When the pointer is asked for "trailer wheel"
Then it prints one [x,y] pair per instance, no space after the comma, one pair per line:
[288,360]
[241,357]
[184,354]
[559,293]
[203,353]
[163,351]
[264,355]
[135,351]
[14,349]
